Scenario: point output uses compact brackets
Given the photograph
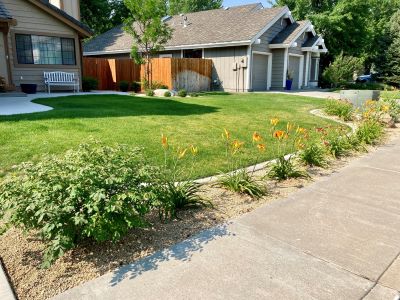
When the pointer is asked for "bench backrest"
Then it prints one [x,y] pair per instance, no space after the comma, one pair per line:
[59,77]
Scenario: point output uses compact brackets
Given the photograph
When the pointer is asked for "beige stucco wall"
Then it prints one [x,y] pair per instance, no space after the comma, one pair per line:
[33,20]
[3,62]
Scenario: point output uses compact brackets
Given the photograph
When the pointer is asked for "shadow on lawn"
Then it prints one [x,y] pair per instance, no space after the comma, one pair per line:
[103,106]
[182,252]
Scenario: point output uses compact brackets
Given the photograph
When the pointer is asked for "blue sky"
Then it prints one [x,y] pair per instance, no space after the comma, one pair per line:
[240,2]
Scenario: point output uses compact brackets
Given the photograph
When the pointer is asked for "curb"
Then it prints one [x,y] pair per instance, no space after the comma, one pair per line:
[6,291]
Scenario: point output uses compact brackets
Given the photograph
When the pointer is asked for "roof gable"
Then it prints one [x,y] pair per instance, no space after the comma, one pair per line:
[220,26]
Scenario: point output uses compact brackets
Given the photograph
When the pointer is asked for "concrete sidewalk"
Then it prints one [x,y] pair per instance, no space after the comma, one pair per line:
[338,238]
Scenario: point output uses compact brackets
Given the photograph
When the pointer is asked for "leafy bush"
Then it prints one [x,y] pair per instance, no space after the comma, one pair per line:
[123,86]
[337,142]
[193,95]
[149,93]
[369,132]
[182,93]
[242,182]
[342,109]
[393,106]
[89,84]
[364,86]
[284,169]
[314,154]
[95,192]
[342,70]
[173,197]
[167,94]
[136,86]
[2,84]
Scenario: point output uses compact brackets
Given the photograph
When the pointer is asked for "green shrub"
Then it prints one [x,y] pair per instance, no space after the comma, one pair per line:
[394,106]
[123,86]
[242,182]
[341,71]
[342,109]
[172,197]
[337,142]
[167,94]
[369,132]
[364,86]
[284,169]
[89,84]
[2,84]
[314,154]
[136,86]
[149,93]
[194,95]
[182,93]
[94,192]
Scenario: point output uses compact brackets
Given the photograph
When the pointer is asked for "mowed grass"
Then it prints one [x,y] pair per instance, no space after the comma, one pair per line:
[139,122]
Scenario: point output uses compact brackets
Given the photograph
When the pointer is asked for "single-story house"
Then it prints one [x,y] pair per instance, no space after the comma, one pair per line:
[252,48]
[38,36]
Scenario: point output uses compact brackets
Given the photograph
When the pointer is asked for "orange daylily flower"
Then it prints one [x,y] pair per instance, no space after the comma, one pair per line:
[194,150]
[236,145]
[274,122]
[164,141]
[261,147]
[257,137]
[226,135]
[279,134]
[182,153]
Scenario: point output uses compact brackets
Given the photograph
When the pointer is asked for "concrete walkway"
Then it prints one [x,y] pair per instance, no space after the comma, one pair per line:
[319,93]
[24,105]
[338,238]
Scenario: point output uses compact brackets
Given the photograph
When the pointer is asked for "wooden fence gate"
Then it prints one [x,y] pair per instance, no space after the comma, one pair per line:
[191,74]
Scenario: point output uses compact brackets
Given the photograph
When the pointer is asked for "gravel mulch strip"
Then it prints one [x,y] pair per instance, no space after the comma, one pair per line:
[22,254]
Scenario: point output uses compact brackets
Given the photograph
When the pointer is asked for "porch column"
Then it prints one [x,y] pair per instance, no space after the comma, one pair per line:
[308,56]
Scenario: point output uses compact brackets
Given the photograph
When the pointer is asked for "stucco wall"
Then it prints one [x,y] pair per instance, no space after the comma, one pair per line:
[33,20]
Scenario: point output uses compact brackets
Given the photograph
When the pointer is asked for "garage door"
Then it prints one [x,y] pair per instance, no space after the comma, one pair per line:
[260,72]
[294,68]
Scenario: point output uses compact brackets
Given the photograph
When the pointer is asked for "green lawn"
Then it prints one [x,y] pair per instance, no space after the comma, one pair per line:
[141,121]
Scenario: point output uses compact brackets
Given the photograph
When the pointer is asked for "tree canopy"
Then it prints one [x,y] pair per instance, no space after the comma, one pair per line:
[186,6]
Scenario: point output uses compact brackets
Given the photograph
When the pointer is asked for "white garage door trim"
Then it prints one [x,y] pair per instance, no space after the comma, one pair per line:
[301,68]
[269,70]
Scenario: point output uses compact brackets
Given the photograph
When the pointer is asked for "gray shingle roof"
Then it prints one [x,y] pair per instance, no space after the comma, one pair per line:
[4,14]
[310,42]
[236,24]
[288,35]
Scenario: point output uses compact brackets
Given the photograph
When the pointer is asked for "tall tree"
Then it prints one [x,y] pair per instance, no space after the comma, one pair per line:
[391,67]
[186,6]
[148,31]
[96,14]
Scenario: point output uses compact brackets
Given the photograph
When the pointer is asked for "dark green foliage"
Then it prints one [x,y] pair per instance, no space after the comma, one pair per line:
[96,192]
[284,169]
[123,86]
[341,71]
[186,6]
[242,182]
[370,132]
[391,68]
[364,86]
[172,197]
[314,154]
[89,84]
[182,93]
[194,95]
[342,109]
[136,86]
[167,94]
[149,93]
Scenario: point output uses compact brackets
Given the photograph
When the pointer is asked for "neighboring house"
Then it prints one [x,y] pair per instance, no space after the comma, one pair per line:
[38,36]
[253,48]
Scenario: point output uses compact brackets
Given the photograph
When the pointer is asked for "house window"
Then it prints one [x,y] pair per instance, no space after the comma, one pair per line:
[45,50]
[197,53]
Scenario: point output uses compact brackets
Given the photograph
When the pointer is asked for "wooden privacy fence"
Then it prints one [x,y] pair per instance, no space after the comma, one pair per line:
[191,74]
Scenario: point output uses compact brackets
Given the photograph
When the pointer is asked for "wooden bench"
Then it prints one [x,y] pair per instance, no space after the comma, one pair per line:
[61,79]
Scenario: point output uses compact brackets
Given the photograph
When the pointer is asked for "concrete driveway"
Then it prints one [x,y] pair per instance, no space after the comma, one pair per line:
[319,93]
[338,238]
[24,105]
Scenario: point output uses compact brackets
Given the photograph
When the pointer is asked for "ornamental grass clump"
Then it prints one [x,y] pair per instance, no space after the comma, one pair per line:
[336,141]
[288,142]
[173,194]
[314,154]
[94,192]
[339,108]
[240,180]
